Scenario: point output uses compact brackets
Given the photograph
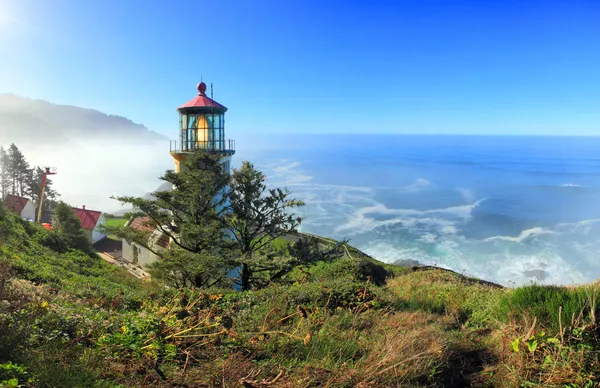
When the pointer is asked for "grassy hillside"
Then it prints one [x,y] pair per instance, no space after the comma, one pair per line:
[70,320]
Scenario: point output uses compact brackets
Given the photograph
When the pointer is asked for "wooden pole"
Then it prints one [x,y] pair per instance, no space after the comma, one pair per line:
[41,199]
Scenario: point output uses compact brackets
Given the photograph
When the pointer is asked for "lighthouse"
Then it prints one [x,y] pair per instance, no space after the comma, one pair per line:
[202,127]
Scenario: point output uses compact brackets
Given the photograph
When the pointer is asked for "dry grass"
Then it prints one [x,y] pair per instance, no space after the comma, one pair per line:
[412,344]
[552,364]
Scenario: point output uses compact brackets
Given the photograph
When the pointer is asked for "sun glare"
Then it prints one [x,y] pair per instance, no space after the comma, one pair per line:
[6,20]
[7,16]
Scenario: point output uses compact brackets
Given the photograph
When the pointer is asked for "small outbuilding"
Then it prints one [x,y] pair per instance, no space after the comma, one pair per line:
[91,223]
[138,254]
[22,206]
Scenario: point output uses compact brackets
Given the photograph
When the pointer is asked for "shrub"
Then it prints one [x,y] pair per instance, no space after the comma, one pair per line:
[369,270]
[54,241]
[14,375]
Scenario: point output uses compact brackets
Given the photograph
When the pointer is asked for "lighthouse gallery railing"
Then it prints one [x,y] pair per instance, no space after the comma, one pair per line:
[224,146]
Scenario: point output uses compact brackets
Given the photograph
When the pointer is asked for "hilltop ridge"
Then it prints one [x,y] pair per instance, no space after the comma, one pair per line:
[23,120]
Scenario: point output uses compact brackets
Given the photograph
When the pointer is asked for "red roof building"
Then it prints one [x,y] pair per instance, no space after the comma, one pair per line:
[146,224]
[15,203]
[89,218]
[91,222]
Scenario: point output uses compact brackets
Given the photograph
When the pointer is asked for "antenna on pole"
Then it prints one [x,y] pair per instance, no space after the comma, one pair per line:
[211,91]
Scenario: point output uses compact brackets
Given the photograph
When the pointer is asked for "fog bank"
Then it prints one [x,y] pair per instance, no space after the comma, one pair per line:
[90,173]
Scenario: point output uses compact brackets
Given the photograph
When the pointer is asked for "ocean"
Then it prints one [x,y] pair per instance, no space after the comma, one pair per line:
[508,209]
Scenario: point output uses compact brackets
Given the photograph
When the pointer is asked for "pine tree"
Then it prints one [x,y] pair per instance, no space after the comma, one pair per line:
[5,182]
[258,216]
[68,225]
[18,170]
[34,187]
[192,215]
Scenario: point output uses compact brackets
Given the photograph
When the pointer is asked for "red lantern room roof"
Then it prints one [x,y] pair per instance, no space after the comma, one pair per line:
[201,102]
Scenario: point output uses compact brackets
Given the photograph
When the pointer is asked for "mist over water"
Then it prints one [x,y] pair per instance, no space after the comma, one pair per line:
[512,210]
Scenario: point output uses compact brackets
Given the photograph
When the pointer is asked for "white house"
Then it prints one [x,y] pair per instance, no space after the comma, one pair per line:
[22,206]
[91,222]
[138,254]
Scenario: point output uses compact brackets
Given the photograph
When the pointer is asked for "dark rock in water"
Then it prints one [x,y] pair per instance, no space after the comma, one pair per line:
[406,263]
[538,274]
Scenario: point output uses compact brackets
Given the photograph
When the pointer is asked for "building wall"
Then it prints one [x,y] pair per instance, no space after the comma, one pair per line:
[179,159]
[28,211]
[96,234]
[88,235]
[226,162]
[144,255]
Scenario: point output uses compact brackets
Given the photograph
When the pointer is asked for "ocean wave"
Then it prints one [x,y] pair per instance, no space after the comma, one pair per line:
[562,253]
[419,184]
[508,269]
[576,227]
[287,171]
[525,234]
[359,222]
[571,185]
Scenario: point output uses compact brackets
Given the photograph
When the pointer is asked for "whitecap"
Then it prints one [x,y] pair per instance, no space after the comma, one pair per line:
[360,222]
[418,185]
[525,234]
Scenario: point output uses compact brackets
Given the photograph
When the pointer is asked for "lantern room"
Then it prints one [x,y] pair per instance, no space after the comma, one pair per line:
[202,127]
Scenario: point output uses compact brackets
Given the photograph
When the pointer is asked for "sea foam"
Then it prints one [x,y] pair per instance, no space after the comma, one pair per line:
[559,253]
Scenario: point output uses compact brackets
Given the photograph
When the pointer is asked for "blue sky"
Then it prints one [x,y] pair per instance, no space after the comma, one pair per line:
[442,67]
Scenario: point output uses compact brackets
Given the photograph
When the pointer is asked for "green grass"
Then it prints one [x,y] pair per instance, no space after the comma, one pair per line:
[545,303]
[116,221]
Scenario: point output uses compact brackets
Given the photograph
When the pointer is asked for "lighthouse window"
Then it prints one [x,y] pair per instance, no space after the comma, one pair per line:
[217,123]
[183,121]
[201,122]
[192,121]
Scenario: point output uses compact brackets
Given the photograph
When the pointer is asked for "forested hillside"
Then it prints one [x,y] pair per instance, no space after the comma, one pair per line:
[29,122]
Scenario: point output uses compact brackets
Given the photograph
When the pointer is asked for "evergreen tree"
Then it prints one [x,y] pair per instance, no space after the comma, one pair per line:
[18,169]
[34,186]
[17,178]
[5,182]
[258,216]
[192,215]
[68,225]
